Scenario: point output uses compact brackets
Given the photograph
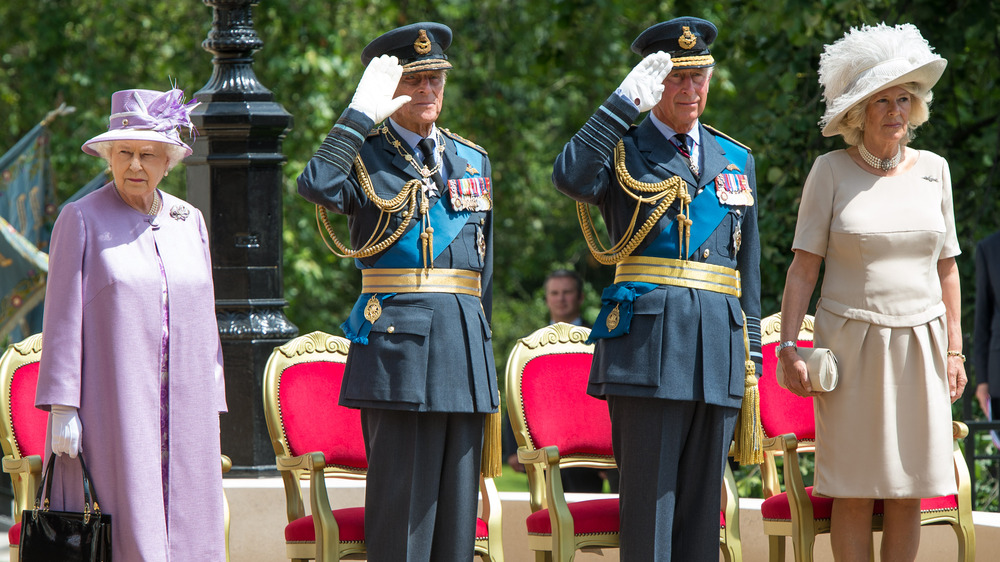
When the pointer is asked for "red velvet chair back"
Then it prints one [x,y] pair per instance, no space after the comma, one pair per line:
[547,400]
[29,422]
[557,409]
[25,424]
[302,383]
[308,396]
[781,411]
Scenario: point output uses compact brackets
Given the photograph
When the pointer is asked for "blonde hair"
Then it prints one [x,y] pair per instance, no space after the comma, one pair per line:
[852,126]
[174,153]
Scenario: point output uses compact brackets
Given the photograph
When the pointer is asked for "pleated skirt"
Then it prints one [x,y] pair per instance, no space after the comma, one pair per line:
[885,431]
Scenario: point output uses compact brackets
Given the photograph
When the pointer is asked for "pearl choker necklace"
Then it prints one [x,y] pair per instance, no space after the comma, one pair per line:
[878,163]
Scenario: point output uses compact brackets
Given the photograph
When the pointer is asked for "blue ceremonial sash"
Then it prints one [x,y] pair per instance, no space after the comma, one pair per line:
[405,252]
[706,213]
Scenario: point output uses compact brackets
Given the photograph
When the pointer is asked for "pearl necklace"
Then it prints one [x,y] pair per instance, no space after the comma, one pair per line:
[878,163]
[154,209]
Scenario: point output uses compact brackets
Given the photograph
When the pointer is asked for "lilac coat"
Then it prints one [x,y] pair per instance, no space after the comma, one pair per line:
[101,353]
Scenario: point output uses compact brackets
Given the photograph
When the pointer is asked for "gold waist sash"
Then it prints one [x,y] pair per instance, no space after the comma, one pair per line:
[681,273]
[437,280]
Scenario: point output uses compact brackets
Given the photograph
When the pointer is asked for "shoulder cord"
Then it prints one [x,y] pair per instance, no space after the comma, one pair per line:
[407,199]
[666,192]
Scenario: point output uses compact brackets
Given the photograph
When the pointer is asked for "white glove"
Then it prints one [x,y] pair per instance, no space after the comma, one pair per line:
[374,94]
[644,84]
[67,430]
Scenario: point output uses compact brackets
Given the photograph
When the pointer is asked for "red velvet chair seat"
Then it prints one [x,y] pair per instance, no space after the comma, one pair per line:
[14,534]
[589,517]
[350,521]
[940,503]
[775,508]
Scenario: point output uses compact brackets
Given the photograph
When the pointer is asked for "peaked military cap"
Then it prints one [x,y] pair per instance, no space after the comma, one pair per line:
[685,39]
[418,46]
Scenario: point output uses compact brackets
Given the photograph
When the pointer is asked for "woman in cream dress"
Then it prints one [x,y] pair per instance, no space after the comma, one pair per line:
[880,214]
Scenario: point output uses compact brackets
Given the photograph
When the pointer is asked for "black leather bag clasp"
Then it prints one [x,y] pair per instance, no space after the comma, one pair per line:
[48,535]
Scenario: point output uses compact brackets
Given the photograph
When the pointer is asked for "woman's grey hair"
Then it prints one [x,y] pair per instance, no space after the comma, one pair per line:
[174,153]
[852,127]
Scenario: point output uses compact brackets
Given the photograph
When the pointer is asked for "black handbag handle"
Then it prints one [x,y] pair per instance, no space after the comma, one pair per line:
[89,492]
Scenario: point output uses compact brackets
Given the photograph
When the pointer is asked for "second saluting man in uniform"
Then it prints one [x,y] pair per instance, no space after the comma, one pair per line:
[678,336]
[420,366]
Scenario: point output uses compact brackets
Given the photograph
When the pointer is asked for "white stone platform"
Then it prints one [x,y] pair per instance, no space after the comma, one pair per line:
[258,520]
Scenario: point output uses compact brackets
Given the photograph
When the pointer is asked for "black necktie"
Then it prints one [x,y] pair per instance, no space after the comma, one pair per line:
[681,142]
[426,146]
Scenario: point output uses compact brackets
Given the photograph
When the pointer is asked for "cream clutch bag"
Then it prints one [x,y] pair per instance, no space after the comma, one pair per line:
[821,365]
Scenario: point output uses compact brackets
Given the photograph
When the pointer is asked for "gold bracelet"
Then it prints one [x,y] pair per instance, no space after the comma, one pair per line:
[953,353]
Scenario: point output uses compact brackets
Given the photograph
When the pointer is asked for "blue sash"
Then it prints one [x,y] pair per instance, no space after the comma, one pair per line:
[706,213]
[405,252]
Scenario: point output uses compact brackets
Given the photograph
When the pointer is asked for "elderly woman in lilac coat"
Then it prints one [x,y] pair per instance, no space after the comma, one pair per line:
[131,367]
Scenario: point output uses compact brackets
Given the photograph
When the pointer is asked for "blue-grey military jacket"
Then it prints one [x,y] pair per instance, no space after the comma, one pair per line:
[683,343]
[427,351]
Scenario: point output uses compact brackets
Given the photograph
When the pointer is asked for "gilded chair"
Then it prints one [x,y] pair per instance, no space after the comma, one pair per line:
[314,438]
[789,430]
[22,427]
[22,432]
[558,425]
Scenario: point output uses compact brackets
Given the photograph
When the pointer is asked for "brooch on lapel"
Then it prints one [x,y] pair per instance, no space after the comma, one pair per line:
[470,194]
[931,179]
[179,212]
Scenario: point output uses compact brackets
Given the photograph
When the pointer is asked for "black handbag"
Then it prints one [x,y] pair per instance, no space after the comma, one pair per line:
[47,536]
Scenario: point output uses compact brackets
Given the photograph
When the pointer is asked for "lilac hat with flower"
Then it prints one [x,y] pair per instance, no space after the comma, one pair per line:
[147,115]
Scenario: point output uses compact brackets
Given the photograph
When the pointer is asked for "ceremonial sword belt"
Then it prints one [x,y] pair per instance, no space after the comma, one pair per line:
[417,280]
[680,273]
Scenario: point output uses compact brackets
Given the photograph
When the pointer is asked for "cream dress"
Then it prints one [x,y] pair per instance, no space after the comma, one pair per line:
[885,432]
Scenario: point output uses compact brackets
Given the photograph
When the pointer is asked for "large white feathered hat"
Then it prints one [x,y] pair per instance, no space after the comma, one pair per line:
[870,59]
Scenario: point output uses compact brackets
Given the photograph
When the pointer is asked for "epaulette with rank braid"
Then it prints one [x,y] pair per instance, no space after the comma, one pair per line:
[725,136]
[459,138]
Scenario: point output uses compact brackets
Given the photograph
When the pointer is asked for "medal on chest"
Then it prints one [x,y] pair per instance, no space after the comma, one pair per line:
[470,194]
[733,190]
[480,242]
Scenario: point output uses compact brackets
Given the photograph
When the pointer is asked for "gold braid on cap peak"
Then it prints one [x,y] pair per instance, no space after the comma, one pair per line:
[701,60]
[426,64]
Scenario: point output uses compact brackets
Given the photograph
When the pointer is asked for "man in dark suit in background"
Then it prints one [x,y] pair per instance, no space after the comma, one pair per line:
[564,299]
[679,201]
[986,356]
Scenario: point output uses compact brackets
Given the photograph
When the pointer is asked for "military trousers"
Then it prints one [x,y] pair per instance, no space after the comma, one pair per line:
[422,490]
[671,457]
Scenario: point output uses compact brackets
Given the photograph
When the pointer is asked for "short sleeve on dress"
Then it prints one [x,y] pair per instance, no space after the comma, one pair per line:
[812,228]
[950,248]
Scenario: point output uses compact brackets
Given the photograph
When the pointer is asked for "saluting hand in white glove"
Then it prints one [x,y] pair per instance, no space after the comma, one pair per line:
[644,84]
[378,84]
[67,431]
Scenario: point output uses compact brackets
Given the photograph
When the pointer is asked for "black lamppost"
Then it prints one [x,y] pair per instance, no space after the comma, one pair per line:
[234,177]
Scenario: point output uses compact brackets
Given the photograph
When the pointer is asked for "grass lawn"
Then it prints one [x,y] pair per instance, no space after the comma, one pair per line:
[511,480]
